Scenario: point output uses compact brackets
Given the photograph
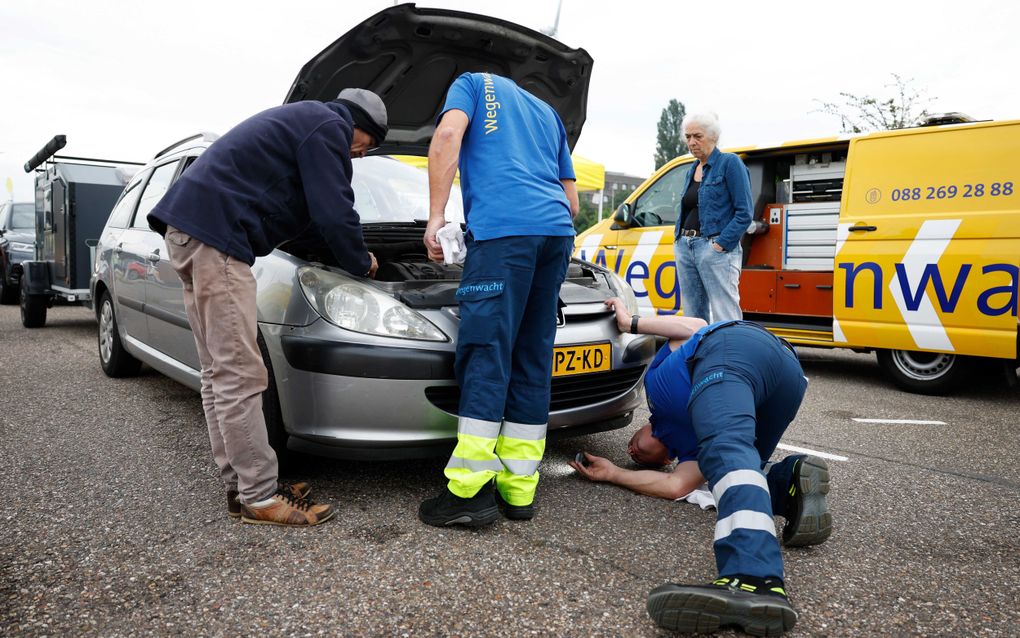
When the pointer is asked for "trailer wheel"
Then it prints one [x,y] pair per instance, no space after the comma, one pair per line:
[933,373]
[33,307]
[8,294]
[115,360]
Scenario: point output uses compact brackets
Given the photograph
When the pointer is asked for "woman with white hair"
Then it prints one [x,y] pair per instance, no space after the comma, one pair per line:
[715,210]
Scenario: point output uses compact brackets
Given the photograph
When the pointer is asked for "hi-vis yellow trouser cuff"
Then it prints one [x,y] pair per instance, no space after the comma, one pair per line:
[484,450]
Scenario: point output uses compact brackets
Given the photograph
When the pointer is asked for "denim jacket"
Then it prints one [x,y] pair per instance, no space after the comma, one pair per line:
[724,199]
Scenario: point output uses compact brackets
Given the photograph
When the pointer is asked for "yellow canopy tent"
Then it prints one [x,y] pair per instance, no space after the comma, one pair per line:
[591,176]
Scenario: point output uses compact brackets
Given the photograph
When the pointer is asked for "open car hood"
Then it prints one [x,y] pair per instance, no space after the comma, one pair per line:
[410,56]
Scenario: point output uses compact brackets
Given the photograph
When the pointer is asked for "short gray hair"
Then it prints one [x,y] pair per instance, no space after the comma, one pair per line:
[709,122]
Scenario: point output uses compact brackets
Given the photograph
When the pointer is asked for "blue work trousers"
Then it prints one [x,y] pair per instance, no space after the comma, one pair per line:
[746,389]
[509,299]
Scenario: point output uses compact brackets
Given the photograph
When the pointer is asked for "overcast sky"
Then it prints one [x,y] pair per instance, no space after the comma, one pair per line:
[124,79]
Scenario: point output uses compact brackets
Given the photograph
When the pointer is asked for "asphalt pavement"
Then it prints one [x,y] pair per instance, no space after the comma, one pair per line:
[112,521]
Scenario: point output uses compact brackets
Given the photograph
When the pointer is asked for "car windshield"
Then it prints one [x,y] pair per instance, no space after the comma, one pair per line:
[23,217]
[388,190]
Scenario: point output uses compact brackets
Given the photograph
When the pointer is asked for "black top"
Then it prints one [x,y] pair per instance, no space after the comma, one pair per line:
[689,205]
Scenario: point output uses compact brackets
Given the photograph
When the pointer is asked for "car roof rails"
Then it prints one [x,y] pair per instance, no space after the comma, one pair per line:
[204,136]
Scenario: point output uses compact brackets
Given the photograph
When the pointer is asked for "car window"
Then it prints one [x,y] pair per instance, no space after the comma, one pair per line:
[387,190]
[121,213]
[660,204]
[154,190]
[23,217]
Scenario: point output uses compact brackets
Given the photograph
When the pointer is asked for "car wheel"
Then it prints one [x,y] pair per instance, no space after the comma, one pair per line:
[33,307]
[115,360]
[275,429]
[932,373]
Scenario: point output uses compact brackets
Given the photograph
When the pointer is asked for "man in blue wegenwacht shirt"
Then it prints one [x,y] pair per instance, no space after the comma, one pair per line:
[720,398]
[520,198]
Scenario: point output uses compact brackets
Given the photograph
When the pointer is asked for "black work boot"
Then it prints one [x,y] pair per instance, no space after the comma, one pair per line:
[515,512]
[757,606]
[808,521]
[449,509]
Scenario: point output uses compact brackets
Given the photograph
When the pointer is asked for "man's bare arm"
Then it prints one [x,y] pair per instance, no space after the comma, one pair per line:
[684,478]
[444,154]
[570,188]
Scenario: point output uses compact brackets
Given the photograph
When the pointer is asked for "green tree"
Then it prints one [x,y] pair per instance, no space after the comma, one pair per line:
[902,106]
[669,142]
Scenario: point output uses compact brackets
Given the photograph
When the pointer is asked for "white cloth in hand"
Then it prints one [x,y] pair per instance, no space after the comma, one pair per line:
[700,497]
[451,238]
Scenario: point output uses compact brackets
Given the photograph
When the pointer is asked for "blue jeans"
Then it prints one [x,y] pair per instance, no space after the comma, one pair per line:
[747,388]
[708,279]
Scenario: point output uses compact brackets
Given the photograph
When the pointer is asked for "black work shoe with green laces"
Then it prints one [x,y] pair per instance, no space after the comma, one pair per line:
[808,521]
[449,509]
[758,607]
[515,512]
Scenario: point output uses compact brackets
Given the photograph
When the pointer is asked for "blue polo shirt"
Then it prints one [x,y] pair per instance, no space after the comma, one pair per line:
[668,390]
[512,158]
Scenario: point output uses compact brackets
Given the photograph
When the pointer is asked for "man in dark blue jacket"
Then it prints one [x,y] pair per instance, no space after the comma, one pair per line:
[282,173]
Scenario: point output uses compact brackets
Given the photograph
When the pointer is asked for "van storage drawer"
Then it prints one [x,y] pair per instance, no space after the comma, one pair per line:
[809,242]
[804,293]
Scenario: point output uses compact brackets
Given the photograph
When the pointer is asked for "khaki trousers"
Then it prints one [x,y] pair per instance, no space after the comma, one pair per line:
[219,296]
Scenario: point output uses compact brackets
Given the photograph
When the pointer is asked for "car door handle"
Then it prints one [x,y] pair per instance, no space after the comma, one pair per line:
[119,249]
[154,256]
[610,247]
[867,229]
[791,285]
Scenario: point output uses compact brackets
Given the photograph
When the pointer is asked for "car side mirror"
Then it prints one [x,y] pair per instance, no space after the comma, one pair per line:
[622,218]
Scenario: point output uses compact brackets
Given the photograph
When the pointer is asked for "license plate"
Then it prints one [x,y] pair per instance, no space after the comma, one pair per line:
[582,359]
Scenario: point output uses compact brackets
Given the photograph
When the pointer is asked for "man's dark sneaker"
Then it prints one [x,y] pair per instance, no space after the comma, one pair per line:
[808,521]
[515,512]
[449,509]
[758,607]
[288,510]
[299,490]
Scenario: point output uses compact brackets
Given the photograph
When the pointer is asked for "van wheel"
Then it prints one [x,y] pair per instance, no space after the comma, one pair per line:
[275,429]
[33,307]
[932,373]
[115,360]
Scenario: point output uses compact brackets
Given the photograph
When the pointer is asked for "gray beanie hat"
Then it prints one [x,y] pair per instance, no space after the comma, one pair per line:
[368,111]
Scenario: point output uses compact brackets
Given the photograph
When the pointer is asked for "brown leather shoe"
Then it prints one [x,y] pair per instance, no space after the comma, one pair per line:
[288,510]
[299,490]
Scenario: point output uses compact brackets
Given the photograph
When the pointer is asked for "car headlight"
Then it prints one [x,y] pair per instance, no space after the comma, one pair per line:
[623,290]
[355,306]
[22,248]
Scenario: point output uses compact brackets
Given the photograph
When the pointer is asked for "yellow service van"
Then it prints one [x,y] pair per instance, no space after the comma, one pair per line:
[903,242]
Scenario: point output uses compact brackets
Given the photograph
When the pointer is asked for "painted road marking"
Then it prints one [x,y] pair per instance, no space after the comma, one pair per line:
[900,421]
[804,450]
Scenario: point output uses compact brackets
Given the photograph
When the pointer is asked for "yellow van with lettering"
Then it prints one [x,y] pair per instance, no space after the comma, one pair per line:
[906,243]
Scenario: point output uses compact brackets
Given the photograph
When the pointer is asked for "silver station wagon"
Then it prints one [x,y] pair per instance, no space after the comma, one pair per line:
[363,368]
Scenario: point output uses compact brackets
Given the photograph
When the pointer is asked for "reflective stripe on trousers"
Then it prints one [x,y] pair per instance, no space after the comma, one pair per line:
[510,453]
[748,390]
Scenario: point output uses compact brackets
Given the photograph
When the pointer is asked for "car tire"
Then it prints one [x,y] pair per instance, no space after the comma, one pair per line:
[115,360]
[932,373]
[33,307]
[275,429]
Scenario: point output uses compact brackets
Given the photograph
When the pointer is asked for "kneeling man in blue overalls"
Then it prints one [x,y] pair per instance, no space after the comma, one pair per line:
[720,398]
[520,198]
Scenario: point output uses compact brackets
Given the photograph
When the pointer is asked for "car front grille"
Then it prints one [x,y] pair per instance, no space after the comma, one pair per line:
[567,392]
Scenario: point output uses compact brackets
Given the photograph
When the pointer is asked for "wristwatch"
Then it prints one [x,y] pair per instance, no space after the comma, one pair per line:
[633,324]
